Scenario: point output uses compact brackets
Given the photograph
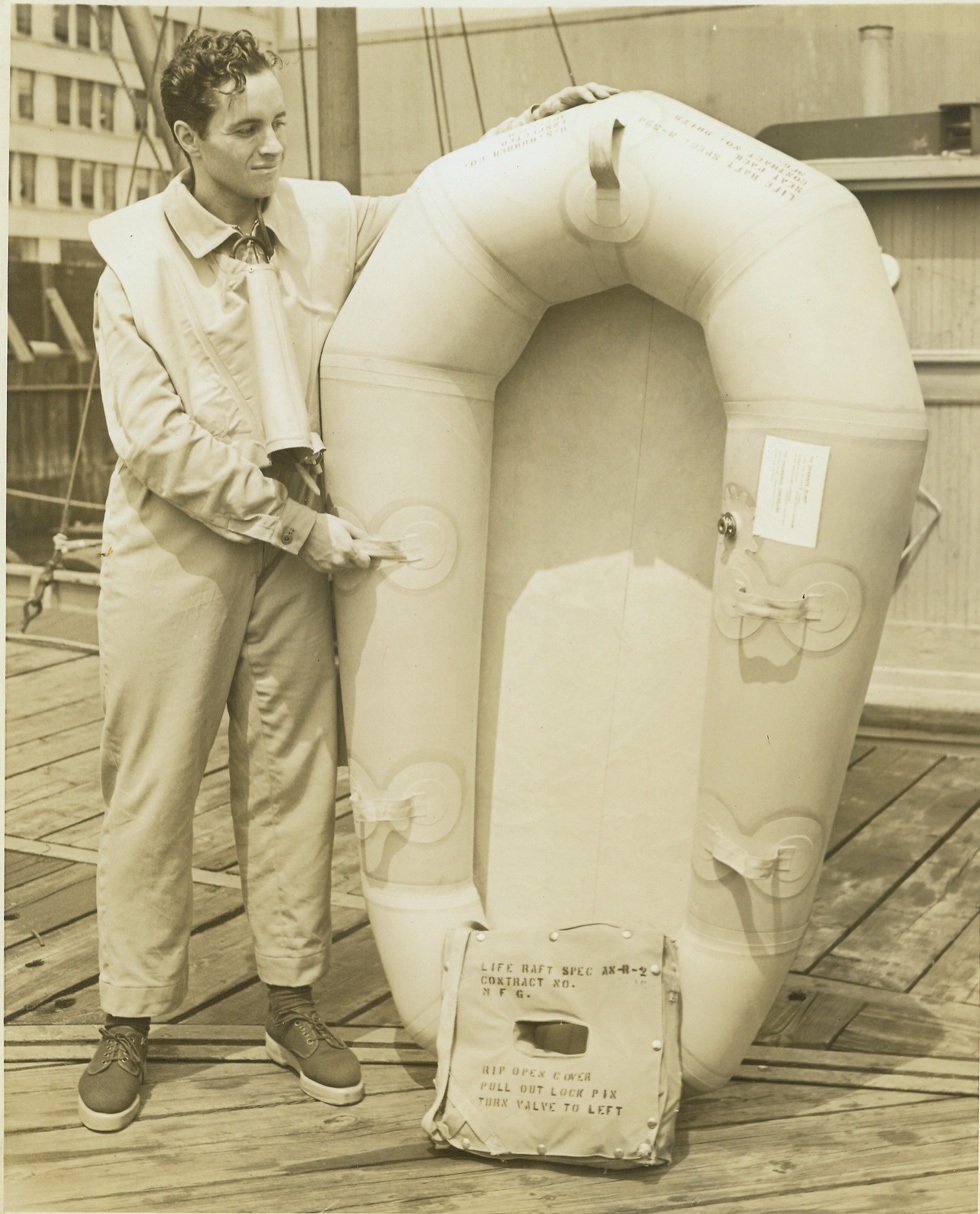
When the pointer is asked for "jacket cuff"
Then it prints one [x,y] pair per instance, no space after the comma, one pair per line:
[294,526]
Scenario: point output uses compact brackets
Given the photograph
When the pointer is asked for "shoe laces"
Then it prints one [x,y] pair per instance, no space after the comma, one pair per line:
[122,1048]
[310,1025]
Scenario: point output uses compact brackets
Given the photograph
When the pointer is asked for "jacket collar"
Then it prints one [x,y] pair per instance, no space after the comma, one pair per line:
[199,230]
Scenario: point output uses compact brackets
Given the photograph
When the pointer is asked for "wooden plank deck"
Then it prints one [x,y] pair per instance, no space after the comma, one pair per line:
[859,1094]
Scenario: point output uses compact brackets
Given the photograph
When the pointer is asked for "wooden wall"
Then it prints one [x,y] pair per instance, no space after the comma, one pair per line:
[750,66]
[934,623]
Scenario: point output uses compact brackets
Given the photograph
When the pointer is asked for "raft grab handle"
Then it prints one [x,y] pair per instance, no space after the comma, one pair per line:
[604,141]
[914,546]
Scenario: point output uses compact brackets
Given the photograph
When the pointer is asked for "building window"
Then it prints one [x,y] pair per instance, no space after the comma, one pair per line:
[28,177]
[83,25]
[23,17]
[62,85]
[22,248]
[143,116]
[79,253]
[105,27]
[23,90]
[66,169]
[107,103]
[139,110]
[61,23]
[107,178]
[86,184]
[86,91]
[141,184]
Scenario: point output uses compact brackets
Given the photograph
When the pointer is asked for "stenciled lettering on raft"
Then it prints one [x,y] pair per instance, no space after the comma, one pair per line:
[506,977]
[782,177]
[539,1090]
[517,139]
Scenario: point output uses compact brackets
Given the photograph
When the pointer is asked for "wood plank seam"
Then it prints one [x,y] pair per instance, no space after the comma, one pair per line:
[69,657]
[887,893]
[69,754]
[202,876]
[83,647]
[845,839]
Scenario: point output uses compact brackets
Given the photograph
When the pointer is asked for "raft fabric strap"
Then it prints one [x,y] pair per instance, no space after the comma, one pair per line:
[789,611]
[385,809]
[752,867]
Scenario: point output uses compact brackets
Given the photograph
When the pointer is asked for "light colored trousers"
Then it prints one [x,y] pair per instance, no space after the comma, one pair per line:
[190,622]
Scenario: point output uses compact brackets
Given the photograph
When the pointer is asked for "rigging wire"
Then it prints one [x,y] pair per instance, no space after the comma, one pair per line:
[561,44]
[432,78]
[442,78]
[306,104]
[33,605]
[132,101]
[469,57]
[145,122]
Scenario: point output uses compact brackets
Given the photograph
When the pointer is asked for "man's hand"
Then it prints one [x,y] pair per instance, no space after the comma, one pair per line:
[332,544]
[578,94]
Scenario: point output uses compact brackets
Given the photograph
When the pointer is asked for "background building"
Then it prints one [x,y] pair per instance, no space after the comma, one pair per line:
[82,142]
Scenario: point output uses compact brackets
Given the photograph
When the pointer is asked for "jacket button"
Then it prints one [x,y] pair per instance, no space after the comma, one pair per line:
[287,536]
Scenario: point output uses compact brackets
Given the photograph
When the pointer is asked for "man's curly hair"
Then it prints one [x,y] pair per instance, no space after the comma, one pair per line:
[200,64]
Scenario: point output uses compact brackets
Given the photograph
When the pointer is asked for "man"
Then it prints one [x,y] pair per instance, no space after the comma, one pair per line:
[215,556]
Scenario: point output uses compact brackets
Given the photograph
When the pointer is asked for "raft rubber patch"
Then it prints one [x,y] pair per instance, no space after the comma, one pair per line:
[790,496]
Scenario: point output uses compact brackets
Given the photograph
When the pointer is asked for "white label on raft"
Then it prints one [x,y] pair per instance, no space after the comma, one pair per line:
[791,491]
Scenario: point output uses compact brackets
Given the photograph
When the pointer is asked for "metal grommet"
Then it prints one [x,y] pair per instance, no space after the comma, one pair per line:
[727,526]
[553,936]
[657,1045]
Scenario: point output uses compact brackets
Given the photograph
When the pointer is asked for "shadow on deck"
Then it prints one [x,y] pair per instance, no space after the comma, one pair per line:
[858,1095]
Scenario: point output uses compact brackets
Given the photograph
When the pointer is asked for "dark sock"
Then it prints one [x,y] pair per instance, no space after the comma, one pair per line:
[289,998]
[140,1023]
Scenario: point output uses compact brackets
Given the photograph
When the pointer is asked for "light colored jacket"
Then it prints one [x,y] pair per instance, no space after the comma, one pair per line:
[176,359]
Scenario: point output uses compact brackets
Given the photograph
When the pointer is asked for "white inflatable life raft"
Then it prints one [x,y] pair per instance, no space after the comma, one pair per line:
[683,602]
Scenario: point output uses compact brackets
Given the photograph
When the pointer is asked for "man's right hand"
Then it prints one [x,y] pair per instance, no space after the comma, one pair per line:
[332,544]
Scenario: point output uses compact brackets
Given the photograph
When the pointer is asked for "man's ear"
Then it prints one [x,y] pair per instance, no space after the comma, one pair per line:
[187,138]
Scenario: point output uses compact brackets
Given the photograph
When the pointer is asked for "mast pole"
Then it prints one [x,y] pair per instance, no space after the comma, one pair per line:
[337,97]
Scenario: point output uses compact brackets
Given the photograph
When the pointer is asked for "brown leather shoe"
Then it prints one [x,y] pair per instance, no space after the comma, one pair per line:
[109,1089]
[327,1069]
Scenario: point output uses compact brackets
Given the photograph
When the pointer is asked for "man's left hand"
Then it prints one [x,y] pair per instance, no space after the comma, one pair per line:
[578,94]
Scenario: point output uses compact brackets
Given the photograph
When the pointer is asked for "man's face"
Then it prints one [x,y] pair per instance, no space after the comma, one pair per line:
[239,158]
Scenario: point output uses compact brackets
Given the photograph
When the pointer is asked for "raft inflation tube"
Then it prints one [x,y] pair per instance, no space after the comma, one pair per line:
[825,444]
